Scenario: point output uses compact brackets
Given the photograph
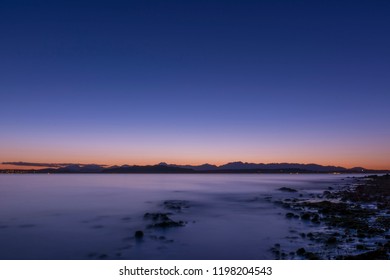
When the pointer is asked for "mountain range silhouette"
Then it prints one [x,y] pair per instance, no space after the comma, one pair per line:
[231,167]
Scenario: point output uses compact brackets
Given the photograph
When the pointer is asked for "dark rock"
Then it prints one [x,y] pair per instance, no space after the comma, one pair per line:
[139,234]
[306,216]
[315,219]
[168,224]
[285,189]
[343,210]
[157,216]
[360,235]
[311,256]
[361,247]
[379,254]
[162,220]
[331,240]
[176,205]
[301,251]
[383,222]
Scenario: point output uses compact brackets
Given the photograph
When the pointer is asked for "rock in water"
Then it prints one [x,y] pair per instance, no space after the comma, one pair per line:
[284,189]
[139,234]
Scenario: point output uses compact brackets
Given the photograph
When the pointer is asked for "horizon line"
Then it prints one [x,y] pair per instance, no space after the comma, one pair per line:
[43,165]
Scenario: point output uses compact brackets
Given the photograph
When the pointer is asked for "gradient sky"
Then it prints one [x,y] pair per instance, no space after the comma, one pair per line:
[141,82]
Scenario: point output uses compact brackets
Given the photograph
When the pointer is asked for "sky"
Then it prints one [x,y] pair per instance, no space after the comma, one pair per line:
[190,82]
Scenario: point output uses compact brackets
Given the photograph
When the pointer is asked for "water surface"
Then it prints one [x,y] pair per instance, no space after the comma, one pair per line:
[79,216]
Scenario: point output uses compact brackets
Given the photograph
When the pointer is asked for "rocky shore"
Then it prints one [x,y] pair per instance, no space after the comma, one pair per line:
[350,222]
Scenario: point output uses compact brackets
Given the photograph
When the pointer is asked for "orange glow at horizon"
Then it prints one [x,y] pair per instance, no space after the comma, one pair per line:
[192,150]
[357,162]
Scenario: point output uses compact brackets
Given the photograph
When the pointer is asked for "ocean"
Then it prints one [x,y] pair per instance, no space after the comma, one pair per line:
[200,216]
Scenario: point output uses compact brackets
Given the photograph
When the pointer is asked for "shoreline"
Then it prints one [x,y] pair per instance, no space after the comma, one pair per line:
[351,222]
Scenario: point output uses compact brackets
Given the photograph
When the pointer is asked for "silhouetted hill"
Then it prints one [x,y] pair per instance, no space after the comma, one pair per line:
[281,166]
[148,169]
[203,167]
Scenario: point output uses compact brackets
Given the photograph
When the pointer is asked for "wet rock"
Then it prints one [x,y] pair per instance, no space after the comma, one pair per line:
[360,234]
[139,234]
[331,240]
[329,195]
[157,216]
[168,224]
[361,247]
[285,189]
[290,215]
[379,254]
[359,212]
[162,220]
[306,216]
[311,256]
[315,219]
[176,205]
[307,255]
[301,251]
[383,222]
[276,250]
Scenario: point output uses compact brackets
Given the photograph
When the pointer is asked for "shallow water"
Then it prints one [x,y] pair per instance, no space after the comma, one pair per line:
[229,216]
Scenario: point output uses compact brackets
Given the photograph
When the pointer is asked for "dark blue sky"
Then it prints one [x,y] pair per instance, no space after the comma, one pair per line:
[195,81]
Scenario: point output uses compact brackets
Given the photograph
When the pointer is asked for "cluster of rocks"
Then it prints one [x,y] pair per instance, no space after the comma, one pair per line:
[352,223]
[164,220]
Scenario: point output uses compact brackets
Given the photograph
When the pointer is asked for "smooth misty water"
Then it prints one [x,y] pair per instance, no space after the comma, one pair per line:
[95,216]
